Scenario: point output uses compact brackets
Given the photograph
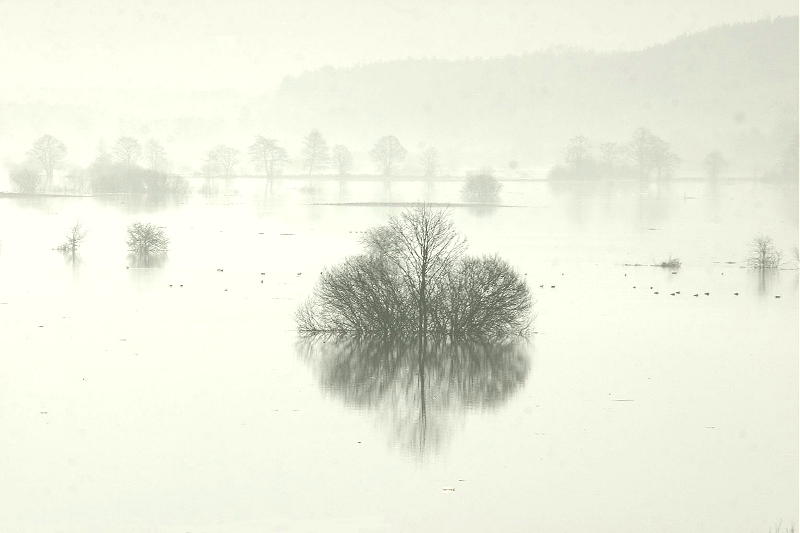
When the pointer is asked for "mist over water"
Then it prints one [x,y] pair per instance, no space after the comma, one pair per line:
[183,389]
[399,266]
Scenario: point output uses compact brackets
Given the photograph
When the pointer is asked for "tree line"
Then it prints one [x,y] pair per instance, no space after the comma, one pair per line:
[131,166]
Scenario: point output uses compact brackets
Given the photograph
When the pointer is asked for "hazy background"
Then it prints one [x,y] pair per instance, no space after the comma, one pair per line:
[483,82]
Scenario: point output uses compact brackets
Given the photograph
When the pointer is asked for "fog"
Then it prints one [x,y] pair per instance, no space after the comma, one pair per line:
[399,266]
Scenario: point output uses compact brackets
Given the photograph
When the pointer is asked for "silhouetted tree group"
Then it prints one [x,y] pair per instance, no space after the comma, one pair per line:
[413,278]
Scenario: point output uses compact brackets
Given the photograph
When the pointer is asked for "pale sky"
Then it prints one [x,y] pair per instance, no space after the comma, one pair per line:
[252,44]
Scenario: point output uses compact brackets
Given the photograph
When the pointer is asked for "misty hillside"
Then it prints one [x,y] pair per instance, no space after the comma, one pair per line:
[732,88]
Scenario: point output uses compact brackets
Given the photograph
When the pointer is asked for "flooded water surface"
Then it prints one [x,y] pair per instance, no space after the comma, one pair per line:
[179,398]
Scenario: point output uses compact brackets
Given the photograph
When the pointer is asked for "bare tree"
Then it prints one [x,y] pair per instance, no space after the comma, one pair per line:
[48,152]
[764,254]
[412,279]
[147,243]
[714,163]
[73,240]
[342,159]
[222,160]
[386,152]
[267,155]
[430,162]
[156,156]
[127,151]
[315,151]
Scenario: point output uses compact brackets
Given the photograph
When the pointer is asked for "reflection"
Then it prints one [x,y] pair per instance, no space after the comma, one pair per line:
[417,387]
[151,260]
[143,202]
[767,278]
[482,210]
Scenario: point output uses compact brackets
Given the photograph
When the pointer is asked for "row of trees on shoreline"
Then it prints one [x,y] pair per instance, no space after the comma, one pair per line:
[140,164]
[646,155]
[131,166]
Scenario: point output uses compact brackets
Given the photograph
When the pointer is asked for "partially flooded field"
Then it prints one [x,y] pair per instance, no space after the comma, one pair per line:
[179,398]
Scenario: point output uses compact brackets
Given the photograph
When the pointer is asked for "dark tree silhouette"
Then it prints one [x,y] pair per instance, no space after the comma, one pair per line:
[413,279]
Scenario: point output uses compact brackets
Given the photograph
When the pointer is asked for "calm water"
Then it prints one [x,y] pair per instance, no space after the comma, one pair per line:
[131,403]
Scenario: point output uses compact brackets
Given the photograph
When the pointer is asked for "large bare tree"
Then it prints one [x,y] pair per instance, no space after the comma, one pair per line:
[412,279]
[387,152]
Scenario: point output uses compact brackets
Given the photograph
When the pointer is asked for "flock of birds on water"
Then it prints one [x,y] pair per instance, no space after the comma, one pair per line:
[541,286]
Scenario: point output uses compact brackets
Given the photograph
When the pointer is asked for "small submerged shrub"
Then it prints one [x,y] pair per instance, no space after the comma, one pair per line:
[73,240]
[482,187]
[147,243]
[764,254]
[414,279]
[672,262]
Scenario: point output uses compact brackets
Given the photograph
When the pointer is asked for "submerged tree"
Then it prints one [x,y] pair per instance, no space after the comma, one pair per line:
[146,243]
[49,153]
[342,159]
[413,279]
[387,152]
[73,240]
[764,254]
[482,187]
[315,151]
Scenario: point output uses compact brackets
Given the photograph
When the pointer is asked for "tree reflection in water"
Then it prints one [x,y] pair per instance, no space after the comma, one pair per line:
[417,387]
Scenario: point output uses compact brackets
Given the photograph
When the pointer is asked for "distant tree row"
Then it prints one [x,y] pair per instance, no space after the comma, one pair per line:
[644,156]
[269,157]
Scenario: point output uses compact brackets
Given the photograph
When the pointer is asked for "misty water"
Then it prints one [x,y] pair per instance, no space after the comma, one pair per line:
[180,398]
